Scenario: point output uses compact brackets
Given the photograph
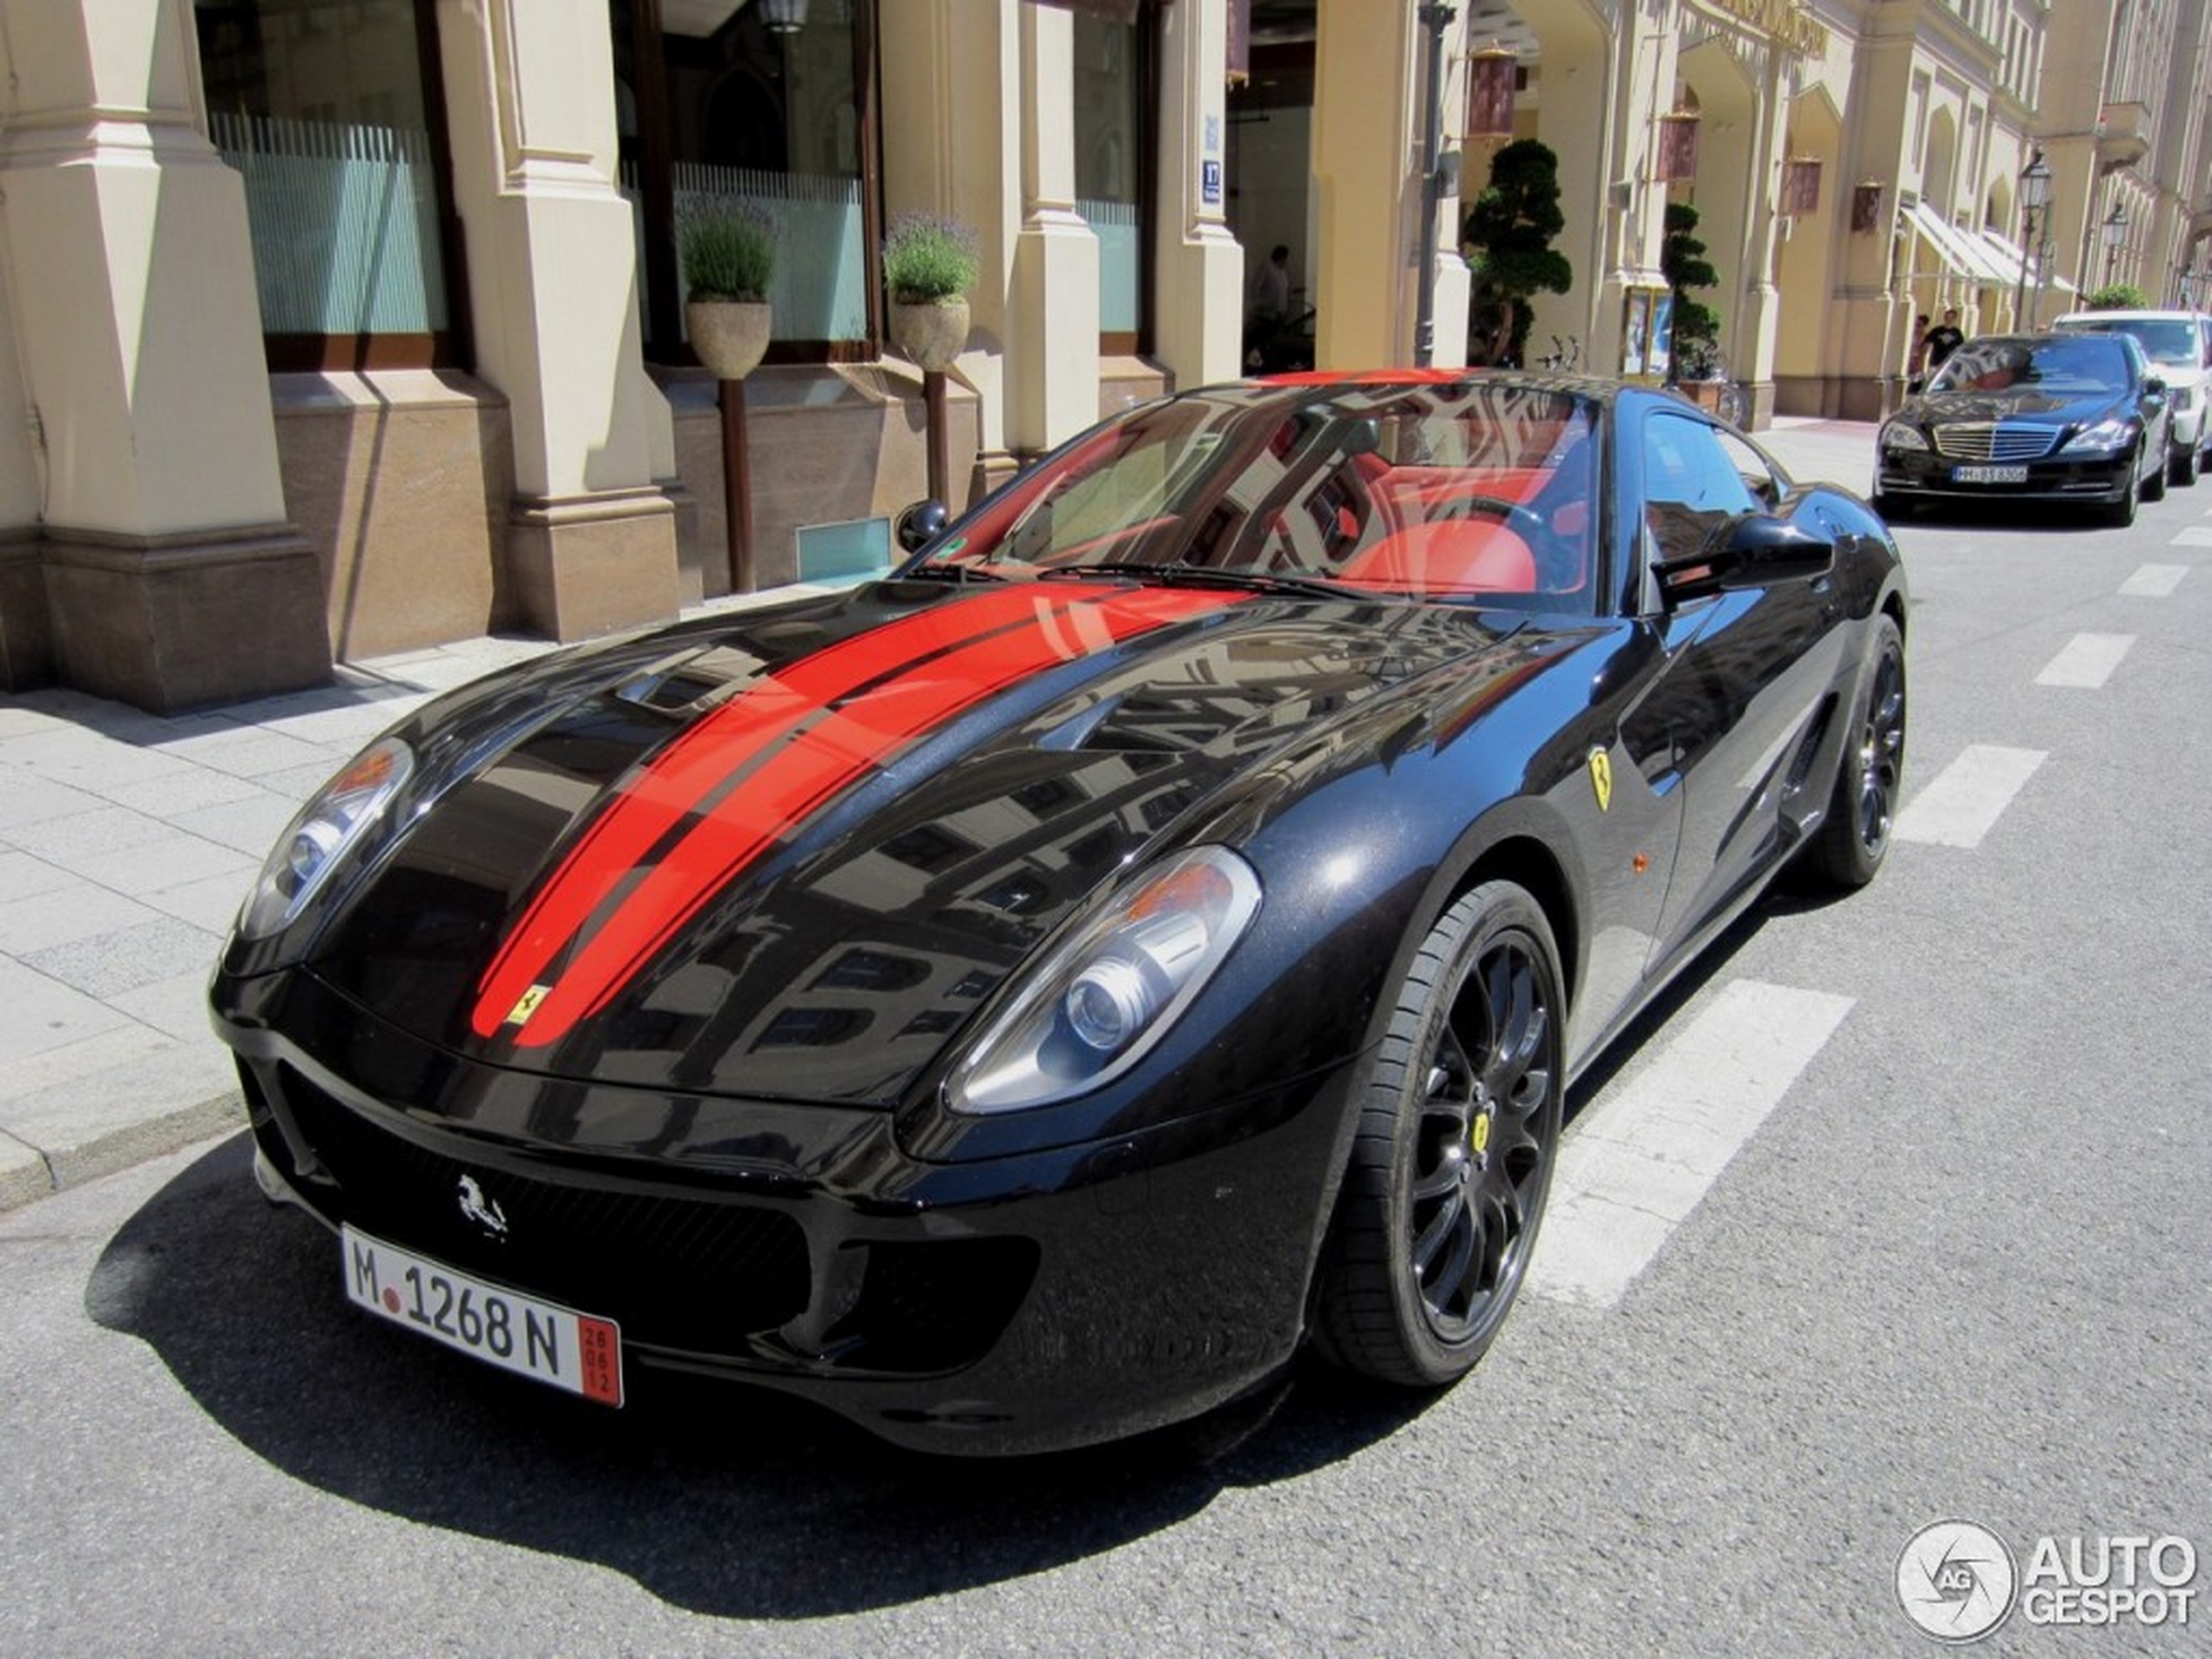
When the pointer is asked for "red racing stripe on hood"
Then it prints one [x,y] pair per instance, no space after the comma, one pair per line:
[677,780]
[802,739]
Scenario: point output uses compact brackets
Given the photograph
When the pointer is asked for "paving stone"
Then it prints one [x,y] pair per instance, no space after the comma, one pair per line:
[109,964]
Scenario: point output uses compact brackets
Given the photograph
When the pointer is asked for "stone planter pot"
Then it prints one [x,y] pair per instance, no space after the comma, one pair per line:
[731,336]
[933,333]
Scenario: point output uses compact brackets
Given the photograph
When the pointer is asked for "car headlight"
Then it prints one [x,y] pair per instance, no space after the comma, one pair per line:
[1899,435]
[1112,988]
[319,836]
[2106,437]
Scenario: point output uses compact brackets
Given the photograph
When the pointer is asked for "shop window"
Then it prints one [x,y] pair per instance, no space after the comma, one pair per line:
[1113,166]
[324,109]
[716,102]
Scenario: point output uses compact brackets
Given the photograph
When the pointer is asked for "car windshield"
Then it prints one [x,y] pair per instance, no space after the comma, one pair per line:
[1474,491]
[2165,340]
[2054,367]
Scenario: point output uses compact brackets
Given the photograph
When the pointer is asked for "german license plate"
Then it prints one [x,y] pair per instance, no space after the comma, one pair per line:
[1989,475]
[541,1340]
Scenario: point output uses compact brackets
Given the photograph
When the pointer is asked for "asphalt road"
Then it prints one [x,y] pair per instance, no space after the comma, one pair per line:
[1950,1267]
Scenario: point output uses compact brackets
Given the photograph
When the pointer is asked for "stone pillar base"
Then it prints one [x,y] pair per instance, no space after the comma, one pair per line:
[26,632]
[176,622]
[583,565]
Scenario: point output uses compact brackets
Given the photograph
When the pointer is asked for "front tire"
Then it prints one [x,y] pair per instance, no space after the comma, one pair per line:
[1854,838]
[2185,468]
[1452,1159]
[2121,513]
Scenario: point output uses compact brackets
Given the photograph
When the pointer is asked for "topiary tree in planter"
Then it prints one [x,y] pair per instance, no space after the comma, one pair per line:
[929,264]
[2119,296]
[1507,239]
[1696,326]
[728,249]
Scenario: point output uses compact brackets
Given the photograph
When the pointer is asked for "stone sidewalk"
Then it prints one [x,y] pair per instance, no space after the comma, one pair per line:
[128,840]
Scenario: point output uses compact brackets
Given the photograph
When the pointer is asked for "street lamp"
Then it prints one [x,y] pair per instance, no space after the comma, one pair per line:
[2115,233]
[2036,195]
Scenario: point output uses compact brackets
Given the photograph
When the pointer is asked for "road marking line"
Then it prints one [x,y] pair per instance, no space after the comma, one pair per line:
[1964,801]
[2193,536]
[2154,581]
[1630,1170]
[2086,661]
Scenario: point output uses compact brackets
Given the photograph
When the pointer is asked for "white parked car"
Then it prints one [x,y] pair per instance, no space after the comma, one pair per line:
[2179,345]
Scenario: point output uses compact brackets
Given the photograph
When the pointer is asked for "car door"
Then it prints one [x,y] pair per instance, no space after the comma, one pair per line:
[1732,713]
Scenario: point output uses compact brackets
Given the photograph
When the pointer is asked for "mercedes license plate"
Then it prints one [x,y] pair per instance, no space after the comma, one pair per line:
[542,1340]
[1989,475]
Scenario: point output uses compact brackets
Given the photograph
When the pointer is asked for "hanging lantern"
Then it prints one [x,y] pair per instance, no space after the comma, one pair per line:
[1491,75]
[1239,43]
[1677,145]
[784,16]
[1800,187]
[1866,207]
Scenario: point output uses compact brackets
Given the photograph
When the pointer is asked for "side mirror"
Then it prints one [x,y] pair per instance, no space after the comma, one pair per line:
[1755,551]
[919,525]
[2155,386]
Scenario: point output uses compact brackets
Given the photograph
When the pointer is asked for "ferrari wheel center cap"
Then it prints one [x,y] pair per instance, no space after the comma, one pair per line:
[1479,1126]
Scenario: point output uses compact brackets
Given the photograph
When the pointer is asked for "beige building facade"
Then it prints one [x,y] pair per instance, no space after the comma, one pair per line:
[339,327]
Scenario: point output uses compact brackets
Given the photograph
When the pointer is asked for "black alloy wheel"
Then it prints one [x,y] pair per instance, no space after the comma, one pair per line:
[1855,838]
[1453,1157]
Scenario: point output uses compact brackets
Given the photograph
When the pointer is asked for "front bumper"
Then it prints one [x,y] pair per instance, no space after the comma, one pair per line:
[1922,475]
[1012,1304]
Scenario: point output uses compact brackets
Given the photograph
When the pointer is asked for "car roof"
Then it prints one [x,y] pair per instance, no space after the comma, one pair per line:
[2142,313]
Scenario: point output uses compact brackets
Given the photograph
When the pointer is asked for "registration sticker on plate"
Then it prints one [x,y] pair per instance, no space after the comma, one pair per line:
[1989,475]
[542,1340]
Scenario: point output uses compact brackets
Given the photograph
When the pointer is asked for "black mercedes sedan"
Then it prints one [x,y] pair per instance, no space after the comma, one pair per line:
[2008,417]
[1023,1001]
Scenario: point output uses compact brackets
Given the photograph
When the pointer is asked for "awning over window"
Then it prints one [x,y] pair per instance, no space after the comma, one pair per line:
[2008,255]
[1963,252]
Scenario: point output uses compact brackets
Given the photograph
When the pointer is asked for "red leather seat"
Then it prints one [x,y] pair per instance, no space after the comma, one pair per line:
[1446,556]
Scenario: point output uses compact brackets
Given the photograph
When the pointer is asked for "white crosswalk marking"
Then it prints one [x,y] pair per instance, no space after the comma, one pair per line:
[2193,536]
[2154,581]
[1964,801]
[2086,662]
[1632,1169]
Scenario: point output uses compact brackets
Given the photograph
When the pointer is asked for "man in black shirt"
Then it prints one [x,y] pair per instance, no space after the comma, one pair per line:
[1943,340]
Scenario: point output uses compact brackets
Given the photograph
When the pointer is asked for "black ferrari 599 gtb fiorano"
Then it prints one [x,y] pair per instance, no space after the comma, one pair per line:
[1019,1002]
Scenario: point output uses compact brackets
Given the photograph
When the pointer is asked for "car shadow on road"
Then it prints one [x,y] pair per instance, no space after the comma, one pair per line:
[728,1502]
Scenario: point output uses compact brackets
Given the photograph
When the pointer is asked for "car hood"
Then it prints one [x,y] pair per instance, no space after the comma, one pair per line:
[790,853]
[2022,403]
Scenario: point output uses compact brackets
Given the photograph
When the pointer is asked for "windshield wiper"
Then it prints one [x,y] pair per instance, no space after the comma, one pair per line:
[1202,575]
[952,571]
[1207,575]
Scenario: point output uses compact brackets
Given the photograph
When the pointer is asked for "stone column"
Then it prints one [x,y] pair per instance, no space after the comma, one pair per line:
[1366,143]
[1752,361]
[1052,347]
[553,297]
[1198,269]
[170,575]
[951,71]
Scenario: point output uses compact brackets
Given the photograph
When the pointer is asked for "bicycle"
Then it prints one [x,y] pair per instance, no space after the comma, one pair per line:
[1564,356]
[1732,402]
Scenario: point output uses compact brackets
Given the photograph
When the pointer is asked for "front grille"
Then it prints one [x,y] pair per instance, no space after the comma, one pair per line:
[1993,440]
[674,1272]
